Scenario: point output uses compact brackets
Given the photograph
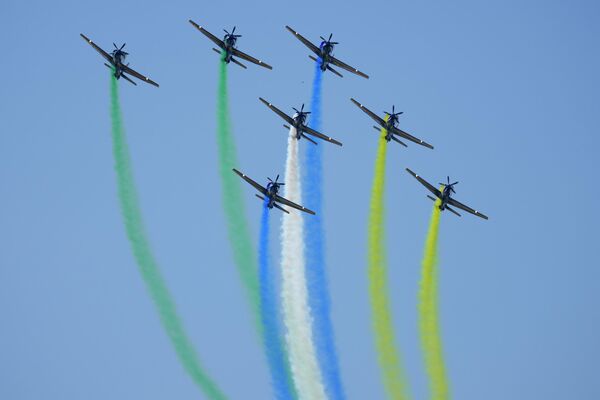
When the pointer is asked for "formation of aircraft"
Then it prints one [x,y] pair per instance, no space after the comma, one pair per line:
[389,124]
[271,193]
[445,196]
[116,59]
[228,48]
[324,52]
[298,121]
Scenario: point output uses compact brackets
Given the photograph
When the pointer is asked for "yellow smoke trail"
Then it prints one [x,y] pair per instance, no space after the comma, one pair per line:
[388,355]
[428,313]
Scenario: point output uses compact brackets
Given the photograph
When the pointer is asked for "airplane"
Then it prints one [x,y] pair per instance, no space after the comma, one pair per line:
[271,194]
[116,58]
[445,196]
[298,121]
[325,53]
[228,46]
[389,124]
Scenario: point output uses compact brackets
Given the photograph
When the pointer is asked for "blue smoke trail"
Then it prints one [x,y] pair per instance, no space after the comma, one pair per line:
[276,358]
[315,256]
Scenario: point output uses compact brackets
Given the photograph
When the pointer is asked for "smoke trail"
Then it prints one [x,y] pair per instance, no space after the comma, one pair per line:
[316,273]
[388,355]
[428,313]
[271,333]
[237,225]
[147,264]
[297,319]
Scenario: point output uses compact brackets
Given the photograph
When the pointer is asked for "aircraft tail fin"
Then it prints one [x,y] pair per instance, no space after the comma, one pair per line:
[281,208]
[452,211]
[128,79]
[238,63]
[334,71]
[307,138]
[328,67]
[395,139]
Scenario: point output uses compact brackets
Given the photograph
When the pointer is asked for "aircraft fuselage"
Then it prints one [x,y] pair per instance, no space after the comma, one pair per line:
[446,192]
[117,62]
[272,190]
[326,53]
[299,121]
[229,46]
[389,124]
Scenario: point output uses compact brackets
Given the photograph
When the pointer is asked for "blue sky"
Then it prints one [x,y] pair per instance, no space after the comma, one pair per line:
[506,91]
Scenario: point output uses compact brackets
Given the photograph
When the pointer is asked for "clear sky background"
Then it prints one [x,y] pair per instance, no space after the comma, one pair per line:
[506,91]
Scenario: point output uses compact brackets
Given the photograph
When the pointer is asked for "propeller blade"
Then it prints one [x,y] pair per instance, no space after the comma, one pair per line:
[330,35]
[122,46]
[276,179]
[322,38]
[454,183]
[302,108]
[115,45]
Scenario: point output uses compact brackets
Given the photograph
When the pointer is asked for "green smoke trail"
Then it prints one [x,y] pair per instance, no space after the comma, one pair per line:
[388,354]
[237,223]
[233,204]
[428,313]
[147,264]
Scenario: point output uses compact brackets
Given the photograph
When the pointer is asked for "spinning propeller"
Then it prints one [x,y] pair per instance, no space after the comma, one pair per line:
[328,41]
[232,33]
[301,112]
[393,115]
[449,185]
[120,49]
[275,183]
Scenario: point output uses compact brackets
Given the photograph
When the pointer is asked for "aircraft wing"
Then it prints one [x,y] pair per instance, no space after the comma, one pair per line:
[304,40]
[410,137]
[246,57]
[348,68]
[209,35]
[104,54]
[428,185]
[277,111]
[286,202]
[141,77]
[458,204]
[311,131]
[256,185]
[370,113]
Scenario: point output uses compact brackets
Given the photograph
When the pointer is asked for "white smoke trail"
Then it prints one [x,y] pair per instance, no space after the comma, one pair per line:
[296,314]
